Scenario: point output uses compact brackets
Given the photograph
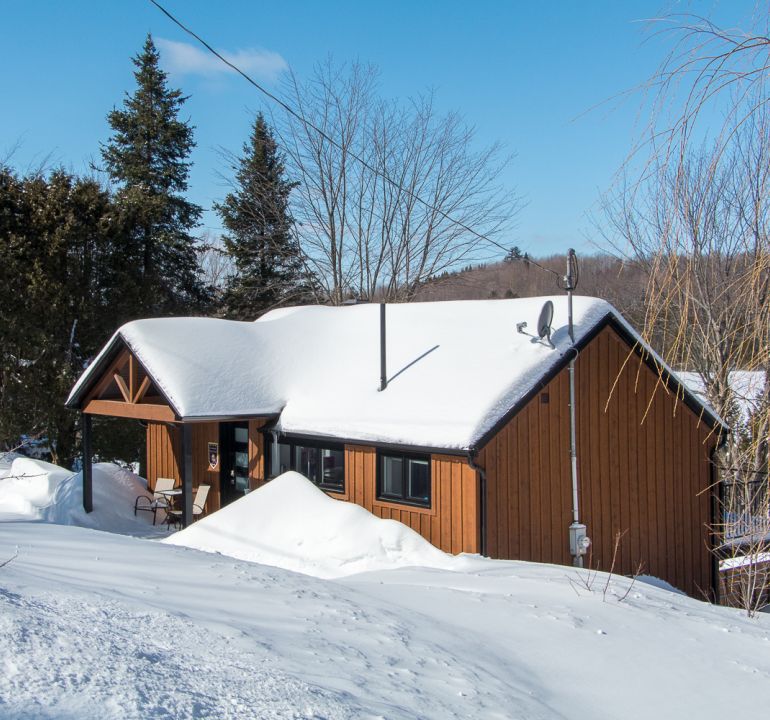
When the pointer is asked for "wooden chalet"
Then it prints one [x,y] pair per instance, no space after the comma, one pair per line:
[468,442]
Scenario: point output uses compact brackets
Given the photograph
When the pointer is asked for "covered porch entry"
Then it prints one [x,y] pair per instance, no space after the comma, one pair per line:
[227,454]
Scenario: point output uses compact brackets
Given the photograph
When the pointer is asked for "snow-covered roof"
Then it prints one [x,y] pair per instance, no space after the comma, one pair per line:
[748,387]
[455,368]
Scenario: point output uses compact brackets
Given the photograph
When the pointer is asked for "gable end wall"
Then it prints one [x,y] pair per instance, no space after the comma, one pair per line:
[643,471]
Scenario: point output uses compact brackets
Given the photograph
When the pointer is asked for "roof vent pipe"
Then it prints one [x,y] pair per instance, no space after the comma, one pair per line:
[383,369]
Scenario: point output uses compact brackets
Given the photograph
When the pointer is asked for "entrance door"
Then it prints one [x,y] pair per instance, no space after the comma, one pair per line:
[234,472]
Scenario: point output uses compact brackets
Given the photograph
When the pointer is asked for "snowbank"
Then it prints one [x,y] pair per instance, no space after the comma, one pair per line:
[114,491]
[107,627]
[28,486]
[290,523]
[35,490]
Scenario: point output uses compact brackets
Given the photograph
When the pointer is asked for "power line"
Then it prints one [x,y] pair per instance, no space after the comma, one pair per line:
[333,142]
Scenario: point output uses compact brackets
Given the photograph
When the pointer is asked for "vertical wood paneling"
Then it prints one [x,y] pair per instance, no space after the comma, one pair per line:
[202,435]
[451,523]
[501,505]
[511,438]
[647,477]
[163,452]
[256,454]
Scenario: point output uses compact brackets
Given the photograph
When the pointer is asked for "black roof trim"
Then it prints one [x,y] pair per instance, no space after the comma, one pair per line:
[399,447]
[230,418]
[610,320]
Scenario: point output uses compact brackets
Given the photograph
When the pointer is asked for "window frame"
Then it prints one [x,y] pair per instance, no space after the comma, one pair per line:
[318,446]
[404,499]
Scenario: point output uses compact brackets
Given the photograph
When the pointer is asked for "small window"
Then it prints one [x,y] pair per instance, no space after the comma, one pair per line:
[333,469]
[404,479]
[306,461]
[324,465]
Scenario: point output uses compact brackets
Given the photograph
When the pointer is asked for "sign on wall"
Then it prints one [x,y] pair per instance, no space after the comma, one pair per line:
[213,455]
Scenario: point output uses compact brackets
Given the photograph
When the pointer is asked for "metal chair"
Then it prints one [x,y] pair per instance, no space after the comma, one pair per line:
[158,501]
[174,517]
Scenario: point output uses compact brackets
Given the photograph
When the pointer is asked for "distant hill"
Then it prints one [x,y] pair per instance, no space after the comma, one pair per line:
[620,283]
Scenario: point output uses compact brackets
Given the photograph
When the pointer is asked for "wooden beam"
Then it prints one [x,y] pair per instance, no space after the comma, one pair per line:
[187,475]
[131,377]
[121,383]
[107,378]
[145,411]
[88,493]
[142,389]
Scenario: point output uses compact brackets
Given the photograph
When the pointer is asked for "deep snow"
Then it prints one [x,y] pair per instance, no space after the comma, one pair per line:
[101,625]
[290,523]
[40,491]
[96,625]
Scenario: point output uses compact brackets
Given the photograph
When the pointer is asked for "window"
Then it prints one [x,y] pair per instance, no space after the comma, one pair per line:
[323,464]
[404,479]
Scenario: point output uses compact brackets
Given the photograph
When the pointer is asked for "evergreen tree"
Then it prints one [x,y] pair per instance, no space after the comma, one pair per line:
[56,234]
[147,156]
[268,270]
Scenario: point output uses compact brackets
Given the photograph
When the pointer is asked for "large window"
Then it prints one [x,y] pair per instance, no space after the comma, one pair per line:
[404,479]
[323,464]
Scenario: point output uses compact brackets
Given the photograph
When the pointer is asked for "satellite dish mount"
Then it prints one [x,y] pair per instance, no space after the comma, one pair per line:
[544,322]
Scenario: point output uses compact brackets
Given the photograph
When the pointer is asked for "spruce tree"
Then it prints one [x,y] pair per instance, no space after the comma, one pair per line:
[147,157]
[268,271]
[56,237]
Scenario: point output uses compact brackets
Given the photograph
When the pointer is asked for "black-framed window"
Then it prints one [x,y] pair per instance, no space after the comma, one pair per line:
[404,478]
[322,463]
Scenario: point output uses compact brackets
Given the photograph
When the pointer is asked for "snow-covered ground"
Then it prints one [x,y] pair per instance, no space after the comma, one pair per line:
[292,524]
[35,490]
[100,625]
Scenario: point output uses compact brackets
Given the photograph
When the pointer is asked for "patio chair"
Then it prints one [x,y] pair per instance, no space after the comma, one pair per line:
[174,517]
[158,501]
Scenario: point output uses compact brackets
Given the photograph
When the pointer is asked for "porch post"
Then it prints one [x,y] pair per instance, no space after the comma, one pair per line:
[88,492]
[187,461]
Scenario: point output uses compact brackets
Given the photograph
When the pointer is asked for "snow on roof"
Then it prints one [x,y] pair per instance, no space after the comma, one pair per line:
[748,388]
[455,368]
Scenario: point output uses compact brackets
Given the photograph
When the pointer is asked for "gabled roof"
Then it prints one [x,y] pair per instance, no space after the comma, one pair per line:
[456,368]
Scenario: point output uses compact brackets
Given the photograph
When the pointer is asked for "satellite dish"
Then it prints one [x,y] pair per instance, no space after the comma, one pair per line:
[545,320]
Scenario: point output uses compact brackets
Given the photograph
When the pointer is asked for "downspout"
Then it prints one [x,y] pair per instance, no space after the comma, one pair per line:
[274,456]
[383,354]
[472,454]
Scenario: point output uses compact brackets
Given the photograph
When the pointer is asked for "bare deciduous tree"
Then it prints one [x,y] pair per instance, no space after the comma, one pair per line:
[362,225]
[696,219]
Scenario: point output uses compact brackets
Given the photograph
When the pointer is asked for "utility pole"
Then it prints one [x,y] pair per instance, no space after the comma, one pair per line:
[578,539]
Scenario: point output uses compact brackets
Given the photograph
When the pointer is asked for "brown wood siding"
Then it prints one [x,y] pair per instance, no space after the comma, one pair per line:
[451,523]
[202,435]
[256,454]
[164,445]
[643,469]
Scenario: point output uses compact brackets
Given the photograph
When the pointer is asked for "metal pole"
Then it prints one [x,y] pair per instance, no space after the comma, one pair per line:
[88,486]
[570,281]
[383,370]
[187,461]
[577,531]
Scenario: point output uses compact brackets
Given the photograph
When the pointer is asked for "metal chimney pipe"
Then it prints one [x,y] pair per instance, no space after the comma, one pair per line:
[383,369]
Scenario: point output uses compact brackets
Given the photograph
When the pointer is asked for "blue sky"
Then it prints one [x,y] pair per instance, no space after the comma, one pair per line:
[524,74]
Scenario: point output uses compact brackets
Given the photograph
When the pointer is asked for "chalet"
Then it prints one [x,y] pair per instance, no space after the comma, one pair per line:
[452,417]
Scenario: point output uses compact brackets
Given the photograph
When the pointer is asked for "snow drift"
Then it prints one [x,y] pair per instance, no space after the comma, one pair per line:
[27,487]
[290,523]
[34,490]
